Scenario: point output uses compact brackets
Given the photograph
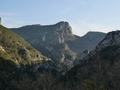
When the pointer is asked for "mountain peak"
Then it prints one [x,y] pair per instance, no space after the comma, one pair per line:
[93,32]
[114,33]
[112,38]
[62,23]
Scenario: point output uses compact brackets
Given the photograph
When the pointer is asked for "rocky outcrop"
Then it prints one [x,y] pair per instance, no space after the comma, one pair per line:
[2,49]
[112,38]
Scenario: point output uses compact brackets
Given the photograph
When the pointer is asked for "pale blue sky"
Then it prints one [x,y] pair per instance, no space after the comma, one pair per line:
[82,15]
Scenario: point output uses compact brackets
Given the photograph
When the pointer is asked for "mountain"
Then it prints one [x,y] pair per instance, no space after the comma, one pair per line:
[19,59]
[51,41]
[86,42]
[58,42]
[100,69]
[112,38]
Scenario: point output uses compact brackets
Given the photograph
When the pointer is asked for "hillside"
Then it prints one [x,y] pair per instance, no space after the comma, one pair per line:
[87,42]
[100,69]
[19,60]
[15,48]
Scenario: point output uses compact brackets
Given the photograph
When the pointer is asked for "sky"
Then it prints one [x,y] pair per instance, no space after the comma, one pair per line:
[82,15]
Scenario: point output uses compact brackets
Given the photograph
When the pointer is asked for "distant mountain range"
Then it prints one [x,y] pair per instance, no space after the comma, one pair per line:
[58,42]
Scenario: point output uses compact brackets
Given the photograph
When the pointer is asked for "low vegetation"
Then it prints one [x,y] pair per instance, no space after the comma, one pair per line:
[15,48]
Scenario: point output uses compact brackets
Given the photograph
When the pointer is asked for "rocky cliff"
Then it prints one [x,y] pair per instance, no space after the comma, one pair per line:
[112,38]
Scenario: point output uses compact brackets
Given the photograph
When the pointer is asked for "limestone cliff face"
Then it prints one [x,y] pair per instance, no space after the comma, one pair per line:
[64,31]
[58,33]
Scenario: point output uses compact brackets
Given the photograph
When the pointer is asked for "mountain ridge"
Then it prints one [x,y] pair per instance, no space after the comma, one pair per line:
[99,67]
